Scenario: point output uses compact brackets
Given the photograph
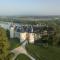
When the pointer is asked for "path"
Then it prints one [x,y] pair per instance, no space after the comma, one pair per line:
[21,50]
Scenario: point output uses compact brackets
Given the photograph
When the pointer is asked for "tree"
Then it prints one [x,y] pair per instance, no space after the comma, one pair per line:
[4,44]
[8,33]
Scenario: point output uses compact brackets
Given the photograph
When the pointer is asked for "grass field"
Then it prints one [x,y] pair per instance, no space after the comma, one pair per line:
[14,43]
[39,52]
[22,57]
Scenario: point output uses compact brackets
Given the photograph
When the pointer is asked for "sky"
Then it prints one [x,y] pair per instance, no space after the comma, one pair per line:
[29,7]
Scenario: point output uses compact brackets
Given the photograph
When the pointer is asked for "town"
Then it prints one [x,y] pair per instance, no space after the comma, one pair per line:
[27,31]
[24,37]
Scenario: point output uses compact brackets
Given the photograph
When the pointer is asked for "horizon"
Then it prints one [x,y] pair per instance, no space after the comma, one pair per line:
[29,7]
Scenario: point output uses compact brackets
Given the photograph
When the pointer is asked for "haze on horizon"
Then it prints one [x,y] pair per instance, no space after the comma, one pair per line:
[29,7]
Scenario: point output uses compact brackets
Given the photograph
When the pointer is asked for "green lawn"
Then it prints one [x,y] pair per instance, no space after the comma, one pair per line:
[14,43]
[40,53]
[22,57]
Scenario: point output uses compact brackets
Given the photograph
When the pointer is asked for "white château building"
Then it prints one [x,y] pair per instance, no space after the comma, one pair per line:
[22,34]
[29,33]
